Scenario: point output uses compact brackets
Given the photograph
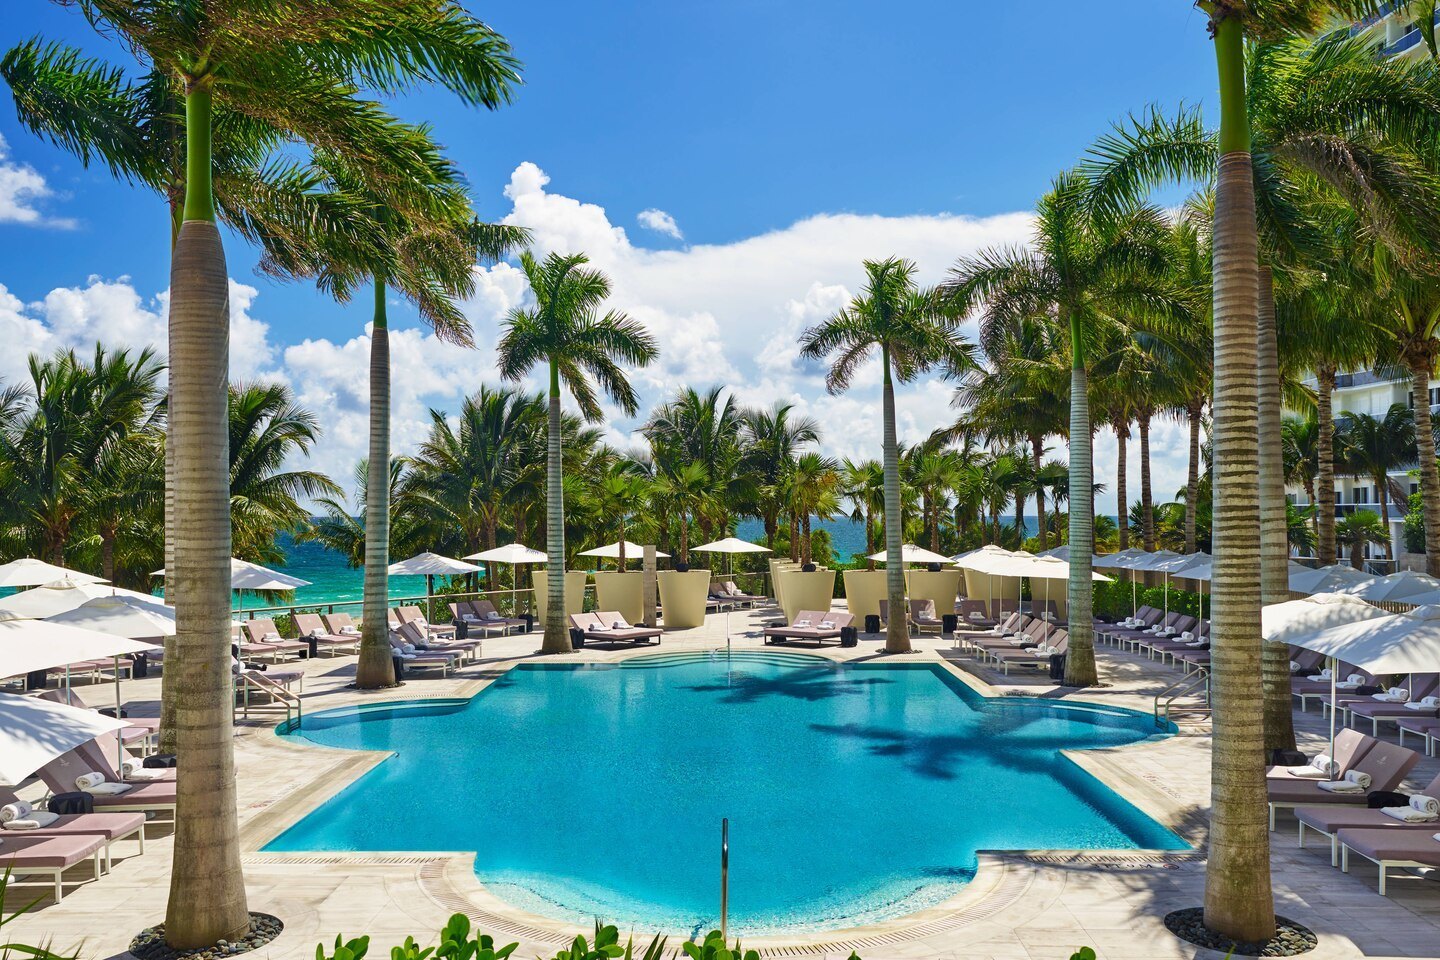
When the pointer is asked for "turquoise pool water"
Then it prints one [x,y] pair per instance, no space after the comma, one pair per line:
[855,792]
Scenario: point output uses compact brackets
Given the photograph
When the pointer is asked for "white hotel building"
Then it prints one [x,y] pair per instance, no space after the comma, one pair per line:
[1368,391]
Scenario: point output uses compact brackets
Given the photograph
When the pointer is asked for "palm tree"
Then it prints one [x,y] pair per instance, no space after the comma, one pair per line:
[267,431]
[913,335]
[1359,530]
[1372,447]
[863,484]
[341,526]
[814,492]
[934,472]
[295,67]
[459,480]
[1238,899]
[566,331]
[1301,439]
[686,491]
[622,492]
[772,440]
[1085,273]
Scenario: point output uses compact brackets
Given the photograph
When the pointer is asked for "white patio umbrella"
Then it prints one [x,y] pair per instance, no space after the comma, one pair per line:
[1391,643]
[1396,587]
[1045,569]
[1122,561]
[46,600]
[28,646]
[991,560]
[121,616]
[1168,561]
[33,732]
[611,551]
[1327,579]
[511,553]
[245,575]
[430,565]
[730,545]
[910,553]
[29,572]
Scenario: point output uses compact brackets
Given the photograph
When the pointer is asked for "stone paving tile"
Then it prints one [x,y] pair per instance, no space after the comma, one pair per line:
[1063,900]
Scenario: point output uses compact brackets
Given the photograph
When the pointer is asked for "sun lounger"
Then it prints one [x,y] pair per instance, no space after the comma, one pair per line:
[1386,763]
[311,628]
[809,625]
[465,649]
[1039,656]
[421,660]
[1319,690]
[973,615]
[1331,819]
[599,627]
[1380,711]
[1390,849]
[49,856]
[735,594]
[412,614]
[1350,746]
[1421,725]
[264,633]
[110,827]
[342,624]
[1032,635]
[1305,662]
[59,776]
[485,610]
[1148,617]
[140,730]
[1015,623]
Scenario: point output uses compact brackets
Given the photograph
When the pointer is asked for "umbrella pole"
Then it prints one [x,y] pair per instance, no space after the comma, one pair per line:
[119,740]
[1334,666]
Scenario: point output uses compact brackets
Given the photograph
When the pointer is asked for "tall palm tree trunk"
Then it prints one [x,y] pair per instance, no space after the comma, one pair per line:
[1238,897]
[167,689]
[1037,452]
[805,549]
[1194,413]
[1382,490]
[1422,363]
[1147,500]
[1324,497]
[375,667]
[1274,528]
[207,885]
[1122,436]
[897,627]
[557,638]
[1080,660]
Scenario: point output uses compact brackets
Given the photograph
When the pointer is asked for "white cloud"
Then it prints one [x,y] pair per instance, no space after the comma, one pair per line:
[21,185]
[727,314]
[660,222]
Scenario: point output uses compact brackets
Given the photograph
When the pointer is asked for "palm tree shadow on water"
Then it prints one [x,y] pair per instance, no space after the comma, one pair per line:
[809,684]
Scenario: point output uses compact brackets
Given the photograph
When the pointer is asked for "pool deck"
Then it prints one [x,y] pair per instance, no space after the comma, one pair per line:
[1039,904]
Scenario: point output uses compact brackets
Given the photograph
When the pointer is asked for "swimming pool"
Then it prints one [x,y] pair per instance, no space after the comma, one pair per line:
[855,792]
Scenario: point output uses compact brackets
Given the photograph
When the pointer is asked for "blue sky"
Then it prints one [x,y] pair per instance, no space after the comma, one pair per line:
[785,141]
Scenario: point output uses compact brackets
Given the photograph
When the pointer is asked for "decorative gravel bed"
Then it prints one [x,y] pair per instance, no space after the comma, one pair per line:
[150,944]
[1290,940]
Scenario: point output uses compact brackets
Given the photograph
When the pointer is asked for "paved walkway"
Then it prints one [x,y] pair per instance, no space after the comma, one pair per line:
[1039,905]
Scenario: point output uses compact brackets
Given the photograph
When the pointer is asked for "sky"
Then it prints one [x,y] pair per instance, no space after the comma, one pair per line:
[729,165]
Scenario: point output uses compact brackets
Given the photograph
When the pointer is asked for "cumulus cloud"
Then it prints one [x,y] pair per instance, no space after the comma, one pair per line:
[21,185]
[727,314]
[660,222]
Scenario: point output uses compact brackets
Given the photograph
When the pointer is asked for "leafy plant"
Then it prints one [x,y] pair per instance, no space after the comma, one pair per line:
[606,946]
[1084,953]
[7,947]
[713,948]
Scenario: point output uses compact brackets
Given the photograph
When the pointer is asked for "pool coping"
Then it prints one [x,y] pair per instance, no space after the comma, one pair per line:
[448,877]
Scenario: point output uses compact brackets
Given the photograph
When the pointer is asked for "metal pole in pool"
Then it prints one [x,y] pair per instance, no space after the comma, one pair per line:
[724,877]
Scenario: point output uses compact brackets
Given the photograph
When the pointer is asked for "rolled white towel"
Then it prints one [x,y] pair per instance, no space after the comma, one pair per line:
[622,625]
[407,647]
[18,810]
[107,788]
[35,821]
[87,780]
[827,624]
[350,631]
[1425,703]
[1187,635]
[1425,804]
[492,616]
[1168,632]
[1393,695]
[1294,667]
[1409,814]
[1322,766]
[1356,678]
[270,637]
[803,623]
[1340,786]
[132,769]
